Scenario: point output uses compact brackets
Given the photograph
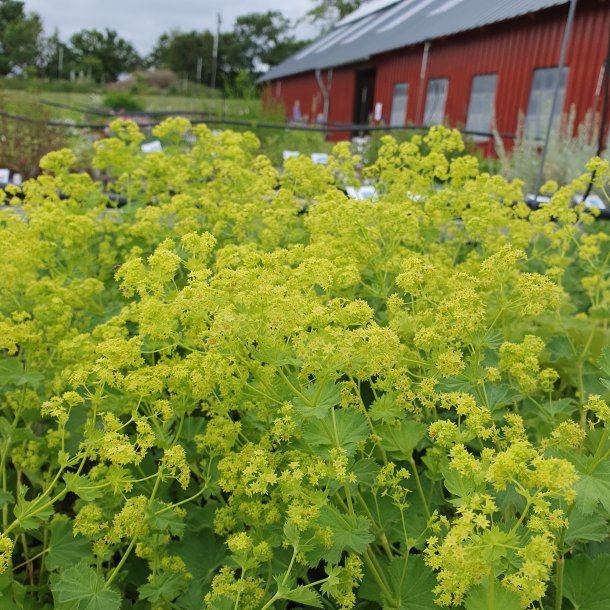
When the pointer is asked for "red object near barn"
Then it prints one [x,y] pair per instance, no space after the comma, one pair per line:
[465,63]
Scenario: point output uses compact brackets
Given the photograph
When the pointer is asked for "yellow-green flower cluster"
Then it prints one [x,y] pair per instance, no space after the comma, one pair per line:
[318,390]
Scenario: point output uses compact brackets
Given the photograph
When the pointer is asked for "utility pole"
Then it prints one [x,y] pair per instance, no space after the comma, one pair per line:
[215,50]
[558,74]
[199,68]
[60,61]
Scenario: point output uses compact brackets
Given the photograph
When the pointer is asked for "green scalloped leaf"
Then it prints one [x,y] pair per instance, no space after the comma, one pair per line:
[414,582]
[351,428]
[348,535]
[81,588]
[321,396]
[65,549]
[305,596]
[586,583]
[593,485]
[504,599]
[401,440]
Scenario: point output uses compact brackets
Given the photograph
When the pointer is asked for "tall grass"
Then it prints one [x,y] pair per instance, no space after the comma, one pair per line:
[570,147]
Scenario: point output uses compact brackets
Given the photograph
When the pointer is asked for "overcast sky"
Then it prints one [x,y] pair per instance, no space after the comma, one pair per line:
[142,21]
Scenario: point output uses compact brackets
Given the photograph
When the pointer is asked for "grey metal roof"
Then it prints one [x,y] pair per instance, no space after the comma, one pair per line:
[384,25]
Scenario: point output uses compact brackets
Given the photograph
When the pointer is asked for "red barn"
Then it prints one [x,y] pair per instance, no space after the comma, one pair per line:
[461,62]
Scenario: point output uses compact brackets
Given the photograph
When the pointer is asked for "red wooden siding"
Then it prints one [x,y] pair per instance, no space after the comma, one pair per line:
[512,50]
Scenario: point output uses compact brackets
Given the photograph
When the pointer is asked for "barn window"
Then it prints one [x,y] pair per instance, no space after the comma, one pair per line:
[541,100]
[400,97]
[436,99]
[481,106]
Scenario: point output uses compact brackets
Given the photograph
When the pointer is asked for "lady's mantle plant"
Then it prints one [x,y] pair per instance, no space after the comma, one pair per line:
[243,390]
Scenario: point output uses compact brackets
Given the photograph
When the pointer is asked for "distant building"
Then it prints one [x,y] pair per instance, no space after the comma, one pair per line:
[461,62]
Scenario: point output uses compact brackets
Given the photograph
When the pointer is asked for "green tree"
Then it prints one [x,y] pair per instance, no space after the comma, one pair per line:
[103,55]
[182,51]
[327,12]
[20,37]
[266,38]
[49,57]
[257,41]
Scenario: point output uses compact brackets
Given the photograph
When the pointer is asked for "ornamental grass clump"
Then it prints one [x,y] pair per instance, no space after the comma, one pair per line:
[243,390]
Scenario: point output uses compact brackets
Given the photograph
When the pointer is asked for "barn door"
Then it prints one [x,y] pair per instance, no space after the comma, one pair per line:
[365,94]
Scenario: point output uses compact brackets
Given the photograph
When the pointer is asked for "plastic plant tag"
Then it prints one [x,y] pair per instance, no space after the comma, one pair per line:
[290,154]
[150,147]
[319,158]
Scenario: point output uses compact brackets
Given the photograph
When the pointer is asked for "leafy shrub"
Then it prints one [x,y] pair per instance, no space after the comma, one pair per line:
[373,142]
[275,142]
[243,87]
[159,78]
[146,79]
[244,388]
[23,143]
[122,100]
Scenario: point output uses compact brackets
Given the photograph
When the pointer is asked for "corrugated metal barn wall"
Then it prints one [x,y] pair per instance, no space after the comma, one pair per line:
[512,49]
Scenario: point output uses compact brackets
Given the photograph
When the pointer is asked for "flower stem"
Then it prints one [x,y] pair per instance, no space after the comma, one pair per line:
[491,593]
[377,575]
[561,564]
[420,489]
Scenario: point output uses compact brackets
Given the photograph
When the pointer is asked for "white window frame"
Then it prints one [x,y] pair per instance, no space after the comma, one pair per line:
[541,100]
[400,103]
[481,106]
[436,100]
